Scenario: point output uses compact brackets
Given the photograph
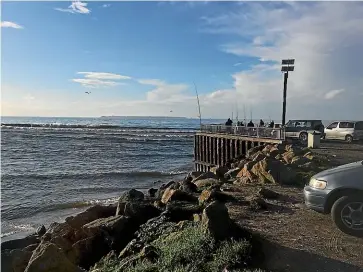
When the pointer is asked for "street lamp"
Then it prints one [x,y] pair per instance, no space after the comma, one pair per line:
[287,66]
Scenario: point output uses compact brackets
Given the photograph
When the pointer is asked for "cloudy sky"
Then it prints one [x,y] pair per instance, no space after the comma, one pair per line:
[141,58]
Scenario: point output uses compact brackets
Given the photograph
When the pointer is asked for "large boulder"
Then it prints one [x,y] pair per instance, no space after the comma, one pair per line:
[219,171]
[117,231]
[49,258]
[216,220]
[140,212]
[206,175]
[174,195]
[203,183]
[232,173]
[210,195]
[270,170]
[91,214]
[188,186]
[254,150]
[246,173]
[181,210]
[129,196]
[15,260]
[20,243]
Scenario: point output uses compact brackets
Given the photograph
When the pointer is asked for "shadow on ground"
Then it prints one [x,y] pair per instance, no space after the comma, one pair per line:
[280,258]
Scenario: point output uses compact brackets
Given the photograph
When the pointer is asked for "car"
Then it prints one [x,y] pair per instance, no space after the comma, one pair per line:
[339,191]
[299,129]
[344,130]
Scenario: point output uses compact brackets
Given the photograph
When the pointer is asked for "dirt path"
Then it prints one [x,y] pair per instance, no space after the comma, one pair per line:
[295,238]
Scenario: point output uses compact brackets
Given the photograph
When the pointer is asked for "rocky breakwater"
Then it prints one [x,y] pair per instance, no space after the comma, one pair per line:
[182,226]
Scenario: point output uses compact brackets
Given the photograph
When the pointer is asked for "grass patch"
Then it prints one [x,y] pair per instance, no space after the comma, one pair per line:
[189,250]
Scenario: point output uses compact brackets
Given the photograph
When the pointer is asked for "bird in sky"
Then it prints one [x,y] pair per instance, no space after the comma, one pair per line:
[87,92]
[171,111]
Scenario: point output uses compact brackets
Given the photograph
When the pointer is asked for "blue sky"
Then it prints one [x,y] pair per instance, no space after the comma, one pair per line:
[141,58]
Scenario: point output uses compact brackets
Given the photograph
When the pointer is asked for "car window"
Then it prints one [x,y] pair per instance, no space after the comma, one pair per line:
[346,125]
[332,125]
[359,126]
[290,124]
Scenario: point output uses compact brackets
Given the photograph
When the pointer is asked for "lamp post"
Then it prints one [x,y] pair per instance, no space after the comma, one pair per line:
[287,66]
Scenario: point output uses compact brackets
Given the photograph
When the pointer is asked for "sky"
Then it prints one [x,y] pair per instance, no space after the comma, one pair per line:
[145,59]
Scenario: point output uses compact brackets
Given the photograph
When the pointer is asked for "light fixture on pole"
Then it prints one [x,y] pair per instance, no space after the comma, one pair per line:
[287,66]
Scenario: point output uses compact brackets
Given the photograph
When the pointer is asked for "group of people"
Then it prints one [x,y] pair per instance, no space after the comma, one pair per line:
[250,123]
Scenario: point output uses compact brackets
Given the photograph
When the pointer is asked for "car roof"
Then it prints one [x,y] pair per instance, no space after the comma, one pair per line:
[350,121]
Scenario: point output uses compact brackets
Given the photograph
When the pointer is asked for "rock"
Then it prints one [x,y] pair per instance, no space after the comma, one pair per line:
[150,253]
[254,150]
[267,148]
[140,212]
[219,171]
[206,175]
[133,247]
[15,260]
[48,257]
[20,243]
[197,217]
[113,225]
[242,163]
[232,173]
[173,195]
[246,173]
[215,219]
[269,194]
[31,247]
[202,183]
[91,214]
[158,204]
[41,230]
[132,195]
[89,250]
[257,203]
[309,156]
[129,196]
[270,170]
[154,228]
[257,156]
[209,195]
[194,174]
[117,231]
[288,156]
[181,210]
[297,160]
[152,192]
[188,186]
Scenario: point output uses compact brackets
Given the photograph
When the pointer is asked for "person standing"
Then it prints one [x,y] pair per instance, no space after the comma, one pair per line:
[262,123]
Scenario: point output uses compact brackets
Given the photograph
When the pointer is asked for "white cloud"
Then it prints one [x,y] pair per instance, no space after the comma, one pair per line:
[106,5]
[237,64]
[164,91]
[11,25]
[100,79]
[325,38]
[333,93]
[76,7]
[95,83]
[102,75]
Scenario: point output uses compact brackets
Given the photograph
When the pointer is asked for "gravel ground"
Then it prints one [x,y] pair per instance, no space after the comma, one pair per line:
[296,238]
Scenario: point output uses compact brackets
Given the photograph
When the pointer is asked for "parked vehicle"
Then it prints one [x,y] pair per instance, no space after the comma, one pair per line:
[300,128]
[344,130]
[339,191]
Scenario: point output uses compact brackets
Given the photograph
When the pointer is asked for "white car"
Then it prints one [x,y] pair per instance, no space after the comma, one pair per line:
[344,130]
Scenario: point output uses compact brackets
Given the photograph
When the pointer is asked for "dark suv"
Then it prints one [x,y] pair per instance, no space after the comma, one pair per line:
[300,128]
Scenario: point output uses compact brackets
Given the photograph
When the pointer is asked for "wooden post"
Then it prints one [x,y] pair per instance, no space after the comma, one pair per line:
[210,150]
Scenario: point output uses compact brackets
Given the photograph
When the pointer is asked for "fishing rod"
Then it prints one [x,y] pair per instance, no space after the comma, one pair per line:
[200,115]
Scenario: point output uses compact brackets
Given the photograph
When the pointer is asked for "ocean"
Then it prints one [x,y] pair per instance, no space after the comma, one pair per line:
[55,167]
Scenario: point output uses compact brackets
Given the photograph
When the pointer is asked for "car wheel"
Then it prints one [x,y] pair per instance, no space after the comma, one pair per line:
[348,138]
[303,136]
[347,214]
